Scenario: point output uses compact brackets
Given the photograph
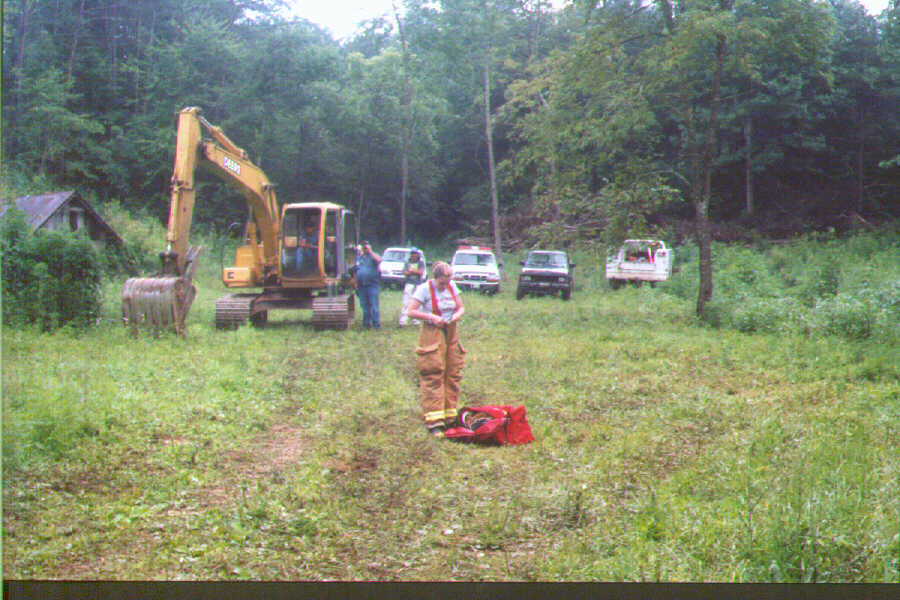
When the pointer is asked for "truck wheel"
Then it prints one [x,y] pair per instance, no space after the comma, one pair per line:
[520,293]
[566,294]
[614,283]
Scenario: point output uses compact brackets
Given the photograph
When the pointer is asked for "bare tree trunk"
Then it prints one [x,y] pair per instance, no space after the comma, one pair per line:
[704,236]
[23,33]
[748,164]
[860,175]
[14,96]
[359,209]
[74,47]
[534,38]
[668,14]
[407,126]
[554,186]
[404,175]
[701,166]
[112,22]
[704,245]
[145,98]
[488,132]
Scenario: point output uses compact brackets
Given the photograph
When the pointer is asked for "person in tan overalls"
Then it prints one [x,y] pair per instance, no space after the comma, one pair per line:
[439,355]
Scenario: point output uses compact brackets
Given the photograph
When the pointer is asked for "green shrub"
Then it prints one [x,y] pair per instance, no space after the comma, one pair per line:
[742,272]
[887,297]
[783,259]
[846,287]
[684,282]
[769,315]
[820,280]
[845,316]
[144,236]
[717,312]
[51,278]
[866,245]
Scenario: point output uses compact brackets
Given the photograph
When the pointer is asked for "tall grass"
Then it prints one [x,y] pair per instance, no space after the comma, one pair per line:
[665,449]
[848,288]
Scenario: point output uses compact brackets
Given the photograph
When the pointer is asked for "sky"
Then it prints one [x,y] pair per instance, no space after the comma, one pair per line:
[341,17]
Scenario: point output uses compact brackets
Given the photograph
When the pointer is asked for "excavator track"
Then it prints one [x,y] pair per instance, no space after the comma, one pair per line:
[234,310]
[333,312]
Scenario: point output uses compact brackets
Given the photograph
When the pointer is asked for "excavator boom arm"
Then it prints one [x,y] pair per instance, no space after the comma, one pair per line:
[230,163]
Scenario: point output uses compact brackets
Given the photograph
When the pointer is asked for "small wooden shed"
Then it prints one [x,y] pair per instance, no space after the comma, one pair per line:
[65,209]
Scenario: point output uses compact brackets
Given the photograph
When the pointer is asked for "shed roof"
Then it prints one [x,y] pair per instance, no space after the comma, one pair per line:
[38,209]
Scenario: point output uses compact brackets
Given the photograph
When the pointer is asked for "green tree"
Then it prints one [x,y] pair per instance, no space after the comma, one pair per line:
[890,51]
[774,91]
[860,132]
[586,137]
[371,132]
[685,78]
[50,136]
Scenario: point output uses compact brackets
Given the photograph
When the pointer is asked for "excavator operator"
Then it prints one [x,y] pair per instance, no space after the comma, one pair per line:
[307,247]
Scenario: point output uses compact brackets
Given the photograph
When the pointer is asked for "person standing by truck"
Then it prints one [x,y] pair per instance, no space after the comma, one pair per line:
[368,285]
[413,269]
[440,356]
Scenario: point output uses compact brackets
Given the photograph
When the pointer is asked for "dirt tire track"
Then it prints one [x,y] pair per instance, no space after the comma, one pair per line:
[268,454]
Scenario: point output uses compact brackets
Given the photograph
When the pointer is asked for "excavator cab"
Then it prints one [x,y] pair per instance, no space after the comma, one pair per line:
[318,241]
[300,243]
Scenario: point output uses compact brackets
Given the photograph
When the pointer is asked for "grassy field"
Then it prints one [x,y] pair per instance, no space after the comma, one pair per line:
[666,449]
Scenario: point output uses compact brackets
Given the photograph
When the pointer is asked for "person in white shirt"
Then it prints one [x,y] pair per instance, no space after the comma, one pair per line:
[413,269]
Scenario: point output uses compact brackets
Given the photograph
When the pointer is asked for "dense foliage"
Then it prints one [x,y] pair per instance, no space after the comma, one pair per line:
[818,286]
[604,119]
[50,278]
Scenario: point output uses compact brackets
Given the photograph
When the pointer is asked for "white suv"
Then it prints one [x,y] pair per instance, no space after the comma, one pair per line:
[474,267]
[391,266]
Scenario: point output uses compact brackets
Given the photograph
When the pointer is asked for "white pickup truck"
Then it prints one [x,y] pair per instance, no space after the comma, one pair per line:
[638,261]
[475,268]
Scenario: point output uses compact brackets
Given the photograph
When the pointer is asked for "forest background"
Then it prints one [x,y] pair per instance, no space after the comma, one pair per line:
[603,118]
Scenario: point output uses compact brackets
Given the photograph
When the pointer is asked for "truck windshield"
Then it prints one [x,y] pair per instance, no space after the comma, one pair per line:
[481,260]
[545,260]
[395,255]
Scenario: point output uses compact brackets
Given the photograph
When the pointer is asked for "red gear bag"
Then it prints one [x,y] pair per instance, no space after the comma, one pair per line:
[491,425]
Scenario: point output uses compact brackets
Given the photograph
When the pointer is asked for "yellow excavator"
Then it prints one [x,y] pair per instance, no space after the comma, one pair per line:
[301,255]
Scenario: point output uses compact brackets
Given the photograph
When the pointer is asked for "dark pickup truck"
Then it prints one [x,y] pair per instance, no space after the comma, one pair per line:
[546,272]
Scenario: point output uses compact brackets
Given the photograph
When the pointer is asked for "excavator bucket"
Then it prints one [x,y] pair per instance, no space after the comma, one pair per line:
[158,303]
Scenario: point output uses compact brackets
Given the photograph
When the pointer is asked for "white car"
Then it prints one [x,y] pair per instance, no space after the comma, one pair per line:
[391,266]
[475,268]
